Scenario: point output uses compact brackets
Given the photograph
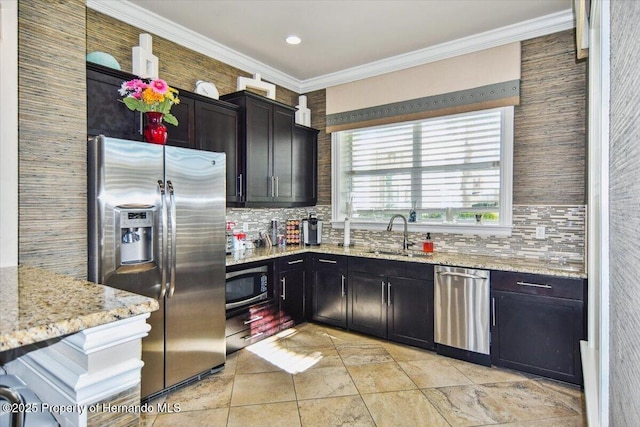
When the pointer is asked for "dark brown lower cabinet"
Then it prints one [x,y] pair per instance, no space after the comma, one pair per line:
[537,324]
[410,311]
[329,289]
[292,284]
[392,299]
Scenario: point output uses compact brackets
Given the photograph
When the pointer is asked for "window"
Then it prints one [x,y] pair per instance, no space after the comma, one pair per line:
[453,171]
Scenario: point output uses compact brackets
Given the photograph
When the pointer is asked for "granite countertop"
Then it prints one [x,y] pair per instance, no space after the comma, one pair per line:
[461,260]
[38,305]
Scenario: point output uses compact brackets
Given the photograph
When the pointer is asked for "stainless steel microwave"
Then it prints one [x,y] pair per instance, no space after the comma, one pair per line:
[246,287]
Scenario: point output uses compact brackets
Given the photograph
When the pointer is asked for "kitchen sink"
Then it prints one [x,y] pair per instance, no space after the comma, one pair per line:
[409,254]
[571,268]
[379,252]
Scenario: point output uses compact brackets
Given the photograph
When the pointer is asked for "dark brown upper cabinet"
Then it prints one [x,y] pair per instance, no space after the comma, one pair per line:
[277,159]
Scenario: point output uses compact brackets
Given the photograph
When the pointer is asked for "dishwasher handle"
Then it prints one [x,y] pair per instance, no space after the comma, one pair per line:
[465,275]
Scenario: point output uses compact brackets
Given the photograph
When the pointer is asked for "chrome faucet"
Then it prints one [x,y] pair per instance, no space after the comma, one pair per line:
[405,236]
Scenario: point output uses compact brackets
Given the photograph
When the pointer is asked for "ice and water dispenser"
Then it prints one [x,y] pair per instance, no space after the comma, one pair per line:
[135,228]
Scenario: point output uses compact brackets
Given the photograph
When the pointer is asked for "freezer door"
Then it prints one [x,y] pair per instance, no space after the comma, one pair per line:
[195,301]
[123,177]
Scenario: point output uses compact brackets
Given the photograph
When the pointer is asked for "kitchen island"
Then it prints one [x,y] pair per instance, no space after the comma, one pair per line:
[75,343]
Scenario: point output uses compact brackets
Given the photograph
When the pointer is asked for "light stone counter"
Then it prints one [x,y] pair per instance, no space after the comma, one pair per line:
[37,305]
[461,260]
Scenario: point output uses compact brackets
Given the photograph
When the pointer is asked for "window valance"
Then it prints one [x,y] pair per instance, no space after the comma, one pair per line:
[470,82]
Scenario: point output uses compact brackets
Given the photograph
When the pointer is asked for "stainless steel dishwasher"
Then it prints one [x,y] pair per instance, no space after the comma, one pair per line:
[462,313]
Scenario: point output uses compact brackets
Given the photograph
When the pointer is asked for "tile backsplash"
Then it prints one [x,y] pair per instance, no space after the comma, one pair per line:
[564,232]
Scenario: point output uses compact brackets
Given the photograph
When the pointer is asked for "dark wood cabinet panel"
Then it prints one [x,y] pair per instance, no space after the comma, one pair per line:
[183,135]
[293,292]
[106,113]
[536,327]
[329,287]
[304,164]
[258,146]
[283,121]
[278,165]
[368,306]
[410,311]
[218,131]
[392,300]
[537,284]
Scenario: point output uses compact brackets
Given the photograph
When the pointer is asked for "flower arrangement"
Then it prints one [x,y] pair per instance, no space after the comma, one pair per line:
[155,95]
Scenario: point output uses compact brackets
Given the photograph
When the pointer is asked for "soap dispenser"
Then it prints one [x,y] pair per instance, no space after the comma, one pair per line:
[427,245]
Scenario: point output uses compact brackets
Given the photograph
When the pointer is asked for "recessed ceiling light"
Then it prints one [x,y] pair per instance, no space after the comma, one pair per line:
[293,39]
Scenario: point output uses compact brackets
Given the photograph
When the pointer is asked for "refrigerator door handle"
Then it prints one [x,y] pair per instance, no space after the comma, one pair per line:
[163,243]
[172,255]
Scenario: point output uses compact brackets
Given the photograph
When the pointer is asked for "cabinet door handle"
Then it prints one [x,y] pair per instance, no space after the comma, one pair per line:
[284,288]
[493,311]
[328,261]
[297,261]
[277,187]
[240,186]
[255,319]
[250,337]
[382,287]
[343,279]
[534,285]
[388,293]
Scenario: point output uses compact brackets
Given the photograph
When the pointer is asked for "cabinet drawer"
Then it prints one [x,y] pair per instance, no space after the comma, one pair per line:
[242,339]
[535,284]
[263,317]
[406,269]
[329,261]
[292,262]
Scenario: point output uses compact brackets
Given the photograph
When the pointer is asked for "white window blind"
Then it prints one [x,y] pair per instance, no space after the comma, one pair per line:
[447,169]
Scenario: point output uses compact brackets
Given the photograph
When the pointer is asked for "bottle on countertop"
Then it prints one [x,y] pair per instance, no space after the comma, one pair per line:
[412,213]
[274,232]
[229,237]
[427,245]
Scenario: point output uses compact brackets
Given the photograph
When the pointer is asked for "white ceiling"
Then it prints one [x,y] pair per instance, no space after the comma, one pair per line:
[340,38]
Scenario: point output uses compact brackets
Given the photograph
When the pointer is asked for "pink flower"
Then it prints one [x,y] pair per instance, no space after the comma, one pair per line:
[132,88]
[159,86]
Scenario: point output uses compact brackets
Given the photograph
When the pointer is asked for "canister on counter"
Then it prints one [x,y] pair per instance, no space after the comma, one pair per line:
[274,231]
[293,232]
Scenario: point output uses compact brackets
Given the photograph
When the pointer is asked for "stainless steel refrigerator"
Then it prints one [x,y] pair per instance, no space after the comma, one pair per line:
[156,228]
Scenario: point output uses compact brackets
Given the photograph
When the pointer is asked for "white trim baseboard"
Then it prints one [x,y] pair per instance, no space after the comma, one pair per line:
[589,373]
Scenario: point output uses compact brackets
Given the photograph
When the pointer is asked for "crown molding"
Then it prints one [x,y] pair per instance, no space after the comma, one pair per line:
[525,30]
[148,21]
[141,18]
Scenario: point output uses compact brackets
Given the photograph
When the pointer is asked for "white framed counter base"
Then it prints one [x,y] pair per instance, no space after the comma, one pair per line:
[91,377]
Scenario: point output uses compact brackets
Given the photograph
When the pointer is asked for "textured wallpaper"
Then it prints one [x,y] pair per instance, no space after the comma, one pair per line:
[52,122]
[624,216]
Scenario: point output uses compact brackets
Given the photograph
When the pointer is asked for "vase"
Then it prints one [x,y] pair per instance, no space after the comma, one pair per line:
[154,131]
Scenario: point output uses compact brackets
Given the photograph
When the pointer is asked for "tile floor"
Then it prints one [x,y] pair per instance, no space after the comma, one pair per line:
[314,375]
